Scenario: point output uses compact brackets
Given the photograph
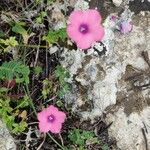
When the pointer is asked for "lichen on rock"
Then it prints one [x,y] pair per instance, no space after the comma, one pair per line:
[6,140]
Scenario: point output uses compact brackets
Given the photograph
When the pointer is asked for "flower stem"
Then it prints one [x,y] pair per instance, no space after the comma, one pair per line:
[30,100]
[62,142]
[55,141]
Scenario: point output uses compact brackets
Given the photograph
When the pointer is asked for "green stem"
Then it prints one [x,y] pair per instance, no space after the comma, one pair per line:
[33,46]
[55,141]
[30,100]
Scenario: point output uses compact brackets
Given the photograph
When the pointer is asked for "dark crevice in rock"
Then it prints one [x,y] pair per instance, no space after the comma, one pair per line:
[136,6]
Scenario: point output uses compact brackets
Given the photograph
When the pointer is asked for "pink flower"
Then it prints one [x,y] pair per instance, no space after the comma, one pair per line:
[84,27]
[126,27]
[51,119]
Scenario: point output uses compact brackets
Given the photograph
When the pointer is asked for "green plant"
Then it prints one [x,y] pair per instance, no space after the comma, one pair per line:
[2,34]
[79,137]
[105,147]
[8,44]
[37,70]
[40,17]
[9,114]
[14,70]
[19,29]
[42,1]
[62,74]
[47,88]
[19,72]
[54,36]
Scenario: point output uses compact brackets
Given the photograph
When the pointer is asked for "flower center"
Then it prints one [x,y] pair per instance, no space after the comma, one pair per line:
[51,118]
[83,28]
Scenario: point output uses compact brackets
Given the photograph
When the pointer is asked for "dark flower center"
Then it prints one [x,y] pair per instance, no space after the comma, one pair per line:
[51,118]
[83,28]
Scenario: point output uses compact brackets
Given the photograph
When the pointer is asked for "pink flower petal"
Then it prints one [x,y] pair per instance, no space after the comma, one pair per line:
[76,17]
[61,116]
[44,127]
[73,32]
[51,110]
[92,16]
[98,33]
[85,42]
[56,128]
[42,116]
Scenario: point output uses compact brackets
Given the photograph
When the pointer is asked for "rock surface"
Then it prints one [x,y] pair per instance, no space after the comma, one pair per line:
[6,140]
[113,77]
[117,2]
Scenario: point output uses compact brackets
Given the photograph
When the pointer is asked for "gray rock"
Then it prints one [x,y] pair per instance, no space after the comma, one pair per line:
[6,140]
[104,85]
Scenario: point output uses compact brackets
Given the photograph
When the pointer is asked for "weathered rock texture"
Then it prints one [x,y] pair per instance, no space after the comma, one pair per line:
[113,77]
[6,141]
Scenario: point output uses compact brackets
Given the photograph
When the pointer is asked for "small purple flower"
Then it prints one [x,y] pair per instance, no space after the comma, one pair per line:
[126,27]
[113,18]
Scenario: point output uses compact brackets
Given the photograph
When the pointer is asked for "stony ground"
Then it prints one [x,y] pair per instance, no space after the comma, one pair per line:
[116,82]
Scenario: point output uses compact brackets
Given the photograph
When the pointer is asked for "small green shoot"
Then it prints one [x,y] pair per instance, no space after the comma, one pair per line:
[62,74]
[54,36]
[19,28]
[9,114]
[14,70]
[40,17]
[8,44]
[47,88]
[37,70]
[105,147]
[79,137]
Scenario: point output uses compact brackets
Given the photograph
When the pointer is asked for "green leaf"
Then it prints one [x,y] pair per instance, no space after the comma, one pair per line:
[87,134]
[37,70]
[9,42]
[62,74]
[2,34]
[19,29]
[105,147]
[79,137]
[59,103]
[8,116]
[54,36]
[3,90]
[19,127]
[47,88]
[23,102]
[75,137]
[9,120]
[13,69]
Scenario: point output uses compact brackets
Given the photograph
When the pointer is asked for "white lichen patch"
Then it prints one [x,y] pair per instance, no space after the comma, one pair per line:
[72,60]
[117,2]
[6,141]
[81,5]
[131,132]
